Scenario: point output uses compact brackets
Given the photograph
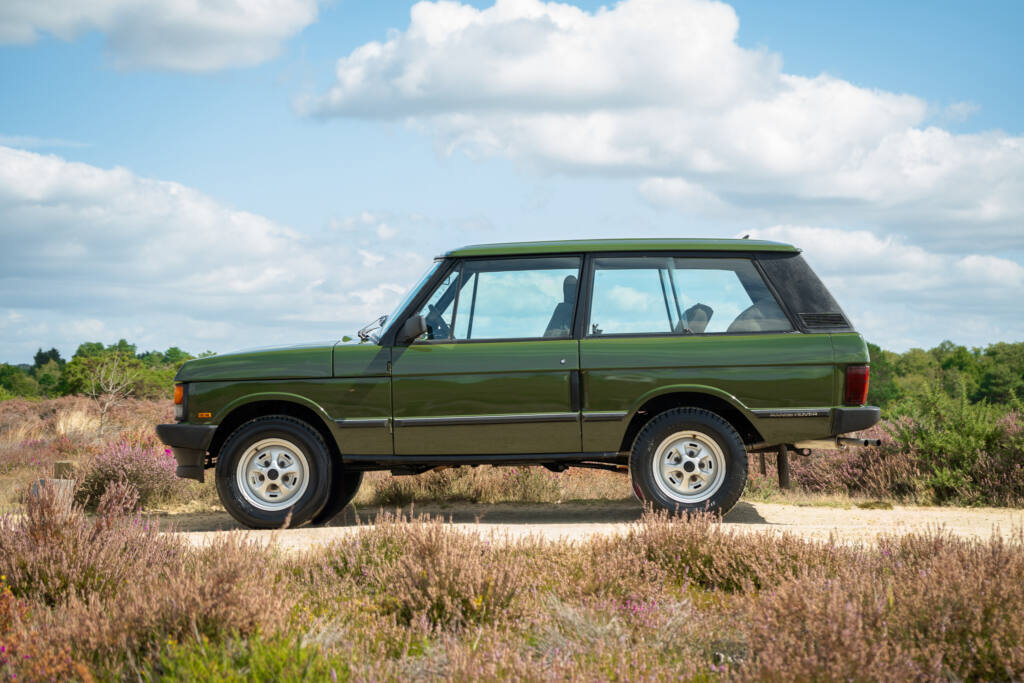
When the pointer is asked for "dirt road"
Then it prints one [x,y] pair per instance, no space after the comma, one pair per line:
[581,520]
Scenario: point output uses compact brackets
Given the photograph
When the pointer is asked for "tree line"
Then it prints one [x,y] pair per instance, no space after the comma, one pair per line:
[148,374]
[993,375]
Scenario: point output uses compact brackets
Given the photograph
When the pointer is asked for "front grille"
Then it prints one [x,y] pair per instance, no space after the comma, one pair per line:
[824,321]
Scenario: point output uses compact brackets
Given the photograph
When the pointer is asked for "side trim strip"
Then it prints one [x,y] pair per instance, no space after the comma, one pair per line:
[510,418]
[604,415]
[503,458]
[792,412]
[363,422]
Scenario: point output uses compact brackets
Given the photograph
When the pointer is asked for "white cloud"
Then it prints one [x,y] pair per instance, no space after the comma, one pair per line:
[958,112]
[899,295]
[659,91]
[379,223]
[98,254]
[94,253]
[185,35]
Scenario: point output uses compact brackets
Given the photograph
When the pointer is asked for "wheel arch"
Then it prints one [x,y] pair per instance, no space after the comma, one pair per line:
[259,405]
[713,400]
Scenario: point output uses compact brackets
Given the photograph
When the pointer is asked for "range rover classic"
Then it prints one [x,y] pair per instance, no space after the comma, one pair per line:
[668,360]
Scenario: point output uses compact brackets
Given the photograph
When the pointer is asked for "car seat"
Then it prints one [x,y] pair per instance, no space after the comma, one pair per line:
[561,319]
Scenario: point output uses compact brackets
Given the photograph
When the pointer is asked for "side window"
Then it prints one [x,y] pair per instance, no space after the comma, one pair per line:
[440,307]
[630,297]
[663,295]
[517,298]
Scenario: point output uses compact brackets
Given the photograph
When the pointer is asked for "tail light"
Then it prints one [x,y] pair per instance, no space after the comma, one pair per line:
[179,402]
[857,377]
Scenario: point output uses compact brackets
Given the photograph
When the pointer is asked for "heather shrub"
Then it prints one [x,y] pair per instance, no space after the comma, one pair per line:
[96,590]
[605,568]
[35,455]
[531,484]
[698,549]
[54,551]
[357,554]
[669,639]
[414,599]
[486,484]
[885,471]
[149,470]
[448,578]
[451,484]
[921,606]
[228,589]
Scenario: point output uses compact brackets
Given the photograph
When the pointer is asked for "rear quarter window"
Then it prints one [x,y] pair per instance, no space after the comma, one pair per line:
[804,293]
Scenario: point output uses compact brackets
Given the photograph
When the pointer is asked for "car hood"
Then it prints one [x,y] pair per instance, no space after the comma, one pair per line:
[299,361]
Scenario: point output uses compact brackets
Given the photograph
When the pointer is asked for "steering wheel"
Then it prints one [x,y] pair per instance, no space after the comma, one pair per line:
[437,328]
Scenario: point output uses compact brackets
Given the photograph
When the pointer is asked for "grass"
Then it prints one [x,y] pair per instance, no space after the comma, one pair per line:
[108,597]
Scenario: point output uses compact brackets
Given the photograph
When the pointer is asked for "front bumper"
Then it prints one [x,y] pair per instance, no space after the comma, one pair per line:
[846,420]
[189,444]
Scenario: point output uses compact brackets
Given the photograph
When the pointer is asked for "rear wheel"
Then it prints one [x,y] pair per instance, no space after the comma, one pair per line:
[689,459]
[274,470]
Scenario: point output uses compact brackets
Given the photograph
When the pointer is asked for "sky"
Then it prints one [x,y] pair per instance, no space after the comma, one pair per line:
[245,173]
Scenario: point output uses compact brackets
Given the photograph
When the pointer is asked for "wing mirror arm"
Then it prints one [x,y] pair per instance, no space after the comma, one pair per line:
[413,327]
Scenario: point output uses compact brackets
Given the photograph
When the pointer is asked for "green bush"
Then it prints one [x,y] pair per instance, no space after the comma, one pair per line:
[941,450]
[255,659]
[968,453]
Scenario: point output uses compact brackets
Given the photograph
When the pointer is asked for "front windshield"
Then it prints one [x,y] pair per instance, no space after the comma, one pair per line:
[388,320]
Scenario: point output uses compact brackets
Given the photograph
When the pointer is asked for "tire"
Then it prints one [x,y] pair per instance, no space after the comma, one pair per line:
[272,467]
[689,459]
[344,486]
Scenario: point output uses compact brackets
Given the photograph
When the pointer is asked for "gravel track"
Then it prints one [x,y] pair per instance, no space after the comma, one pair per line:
[575,521]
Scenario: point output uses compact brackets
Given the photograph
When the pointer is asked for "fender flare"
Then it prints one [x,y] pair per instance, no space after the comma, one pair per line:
[687,389]
[326,425]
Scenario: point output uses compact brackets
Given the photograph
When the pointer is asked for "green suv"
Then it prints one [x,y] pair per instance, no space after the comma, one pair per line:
[669,359]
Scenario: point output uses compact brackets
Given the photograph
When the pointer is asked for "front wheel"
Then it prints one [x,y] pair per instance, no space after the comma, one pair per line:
[689,459]
[272,471]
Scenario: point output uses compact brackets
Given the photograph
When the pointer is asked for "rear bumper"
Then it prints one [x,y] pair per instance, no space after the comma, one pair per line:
[846,420]
[189,444]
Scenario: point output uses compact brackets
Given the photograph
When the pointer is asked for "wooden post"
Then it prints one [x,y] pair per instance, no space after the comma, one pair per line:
[764,470]
[782,462]
[63,469]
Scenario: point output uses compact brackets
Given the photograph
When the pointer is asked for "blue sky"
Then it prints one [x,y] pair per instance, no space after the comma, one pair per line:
[159,186]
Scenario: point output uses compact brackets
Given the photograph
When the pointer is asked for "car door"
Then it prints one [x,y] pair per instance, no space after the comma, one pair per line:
[494,372]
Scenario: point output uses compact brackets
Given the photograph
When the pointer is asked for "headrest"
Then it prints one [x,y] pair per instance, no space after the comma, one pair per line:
[569,288]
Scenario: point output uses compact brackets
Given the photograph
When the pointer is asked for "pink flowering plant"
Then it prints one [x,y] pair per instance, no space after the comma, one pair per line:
[150,470]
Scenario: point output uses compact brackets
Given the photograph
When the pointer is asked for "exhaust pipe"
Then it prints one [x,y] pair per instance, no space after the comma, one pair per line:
[847,441]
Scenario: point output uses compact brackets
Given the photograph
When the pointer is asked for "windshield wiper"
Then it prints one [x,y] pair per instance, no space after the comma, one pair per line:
[364,333]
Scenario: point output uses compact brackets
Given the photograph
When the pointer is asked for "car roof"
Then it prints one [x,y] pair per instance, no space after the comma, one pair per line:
[621,245]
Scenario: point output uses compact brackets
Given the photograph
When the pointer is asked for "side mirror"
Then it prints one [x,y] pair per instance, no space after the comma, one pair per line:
[412,328]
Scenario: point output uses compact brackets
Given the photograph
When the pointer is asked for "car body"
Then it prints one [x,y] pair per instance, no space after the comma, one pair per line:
[544,353]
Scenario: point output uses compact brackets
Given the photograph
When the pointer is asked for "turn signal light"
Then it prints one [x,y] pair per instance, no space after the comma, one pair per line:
[179,394]
[857,378]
